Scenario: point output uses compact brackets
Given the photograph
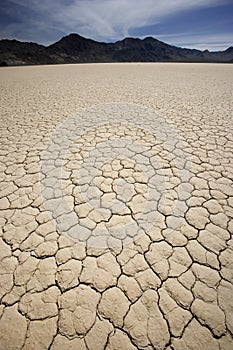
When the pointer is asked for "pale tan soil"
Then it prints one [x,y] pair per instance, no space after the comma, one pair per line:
[120,283]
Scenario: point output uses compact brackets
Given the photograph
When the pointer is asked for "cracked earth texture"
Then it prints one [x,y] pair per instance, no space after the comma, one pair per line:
[116,207]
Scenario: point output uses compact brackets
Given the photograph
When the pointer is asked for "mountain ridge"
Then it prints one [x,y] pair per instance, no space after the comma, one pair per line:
[74,48]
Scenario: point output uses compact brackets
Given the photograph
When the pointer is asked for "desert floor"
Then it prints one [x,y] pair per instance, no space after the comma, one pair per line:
[116,201]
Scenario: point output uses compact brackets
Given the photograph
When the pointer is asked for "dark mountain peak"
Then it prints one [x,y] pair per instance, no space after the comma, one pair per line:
[76,37]
[138,40]
[128,40]
[9,41]
[69,39]
[72,45]
[151,39]
[131,39]
[151,42]
[229,50]
[14,42]
[12,47]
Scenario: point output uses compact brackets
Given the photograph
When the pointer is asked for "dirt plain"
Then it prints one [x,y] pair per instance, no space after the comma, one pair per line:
[116,207]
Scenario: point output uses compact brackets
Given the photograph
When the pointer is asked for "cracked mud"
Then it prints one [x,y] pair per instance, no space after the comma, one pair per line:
[116,207]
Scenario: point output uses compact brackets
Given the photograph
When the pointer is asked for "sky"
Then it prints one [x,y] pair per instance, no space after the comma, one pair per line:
[200,24]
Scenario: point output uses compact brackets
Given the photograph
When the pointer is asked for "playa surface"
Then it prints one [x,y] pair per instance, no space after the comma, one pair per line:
[116,207]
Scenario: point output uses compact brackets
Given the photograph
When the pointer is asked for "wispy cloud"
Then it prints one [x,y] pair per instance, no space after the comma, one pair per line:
[212,42]
[98,19]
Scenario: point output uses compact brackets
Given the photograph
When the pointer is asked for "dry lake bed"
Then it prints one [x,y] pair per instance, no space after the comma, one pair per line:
[116,207]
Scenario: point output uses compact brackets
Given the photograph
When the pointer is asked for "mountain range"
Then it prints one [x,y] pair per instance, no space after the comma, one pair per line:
[77,49]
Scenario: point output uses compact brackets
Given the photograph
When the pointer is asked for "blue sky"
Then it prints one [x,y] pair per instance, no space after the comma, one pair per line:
[201,24]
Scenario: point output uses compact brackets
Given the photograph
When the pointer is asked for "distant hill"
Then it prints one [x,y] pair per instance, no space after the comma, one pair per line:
[77,49]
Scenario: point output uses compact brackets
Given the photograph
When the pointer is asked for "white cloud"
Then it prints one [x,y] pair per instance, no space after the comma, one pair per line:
[112,19]
[98,19]
[213,42]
